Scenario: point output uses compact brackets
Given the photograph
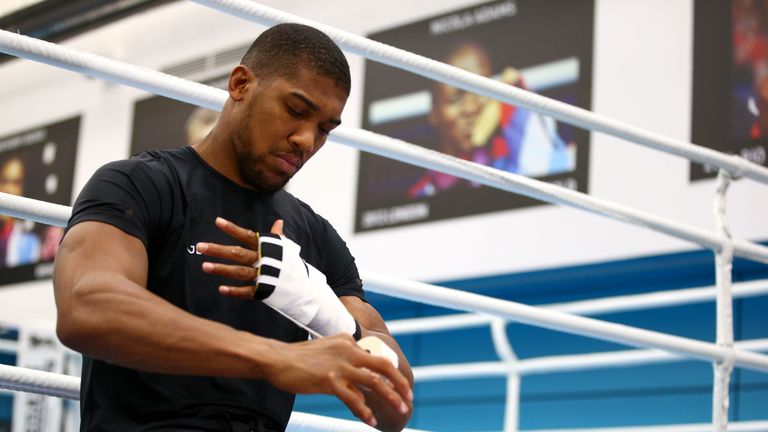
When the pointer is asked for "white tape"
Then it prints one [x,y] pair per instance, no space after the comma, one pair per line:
[378,348]
[298,290]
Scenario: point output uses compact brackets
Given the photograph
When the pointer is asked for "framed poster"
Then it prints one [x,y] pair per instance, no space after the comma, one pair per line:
[544,47]
[730,80]
[163,123]
[40,164]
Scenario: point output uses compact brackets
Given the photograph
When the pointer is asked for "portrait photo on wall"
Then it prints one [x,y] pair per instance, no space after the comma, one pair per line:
[730,80]
[543,47]
[162,123]
[37,163]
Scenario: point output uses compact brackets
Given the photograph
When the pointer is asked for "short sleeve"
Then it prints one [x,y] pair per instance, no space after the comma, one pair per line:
[124,194]
[339,265]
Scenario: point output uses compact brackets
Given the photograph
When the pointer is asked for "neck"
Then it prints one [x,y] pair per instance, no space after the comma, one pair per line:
[217,151]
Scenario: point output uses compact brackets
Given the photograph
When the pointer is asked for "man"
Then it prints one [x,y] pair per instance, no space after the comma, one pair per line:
[151,290]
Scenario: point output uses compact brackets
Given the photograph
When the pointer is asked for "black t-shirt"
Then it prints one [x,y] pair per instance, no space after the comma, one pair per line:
[169,200]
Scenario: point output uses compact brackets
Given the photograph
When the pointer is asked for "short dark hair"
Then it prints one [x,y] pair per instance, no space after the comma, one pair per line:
[281,50]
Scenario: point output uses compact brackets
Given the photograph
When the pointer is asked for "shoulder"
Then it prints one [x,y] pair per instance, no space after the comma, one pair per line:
[155,166]
[162,160]
[136,195]
[147,160]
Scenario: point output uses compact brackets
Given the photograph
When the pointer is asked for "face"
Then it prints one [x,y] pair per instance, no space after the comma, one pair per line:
[281,124]
[12,177]
[456,110]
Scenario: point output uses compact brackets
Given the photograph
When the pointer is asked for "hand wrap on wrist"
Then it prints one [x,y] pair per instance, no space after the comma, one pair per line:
[292,286]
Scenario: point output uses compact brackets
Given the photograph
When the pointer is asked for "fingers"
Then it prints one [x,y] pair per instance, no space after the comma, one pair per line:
[377,375]
[248,237]
[336,365]
[277,227]
[243,257]
[354,400]
[245,292]
[237,272]
[235,254]
[385,380]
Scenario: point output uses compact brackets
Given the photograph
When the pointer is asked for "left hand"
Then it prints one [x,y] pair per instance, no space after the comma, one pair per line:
[243,258]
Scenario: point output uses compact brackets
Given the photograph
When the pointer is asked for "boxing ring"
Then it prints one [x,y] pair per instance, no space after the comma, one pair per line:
[653,347]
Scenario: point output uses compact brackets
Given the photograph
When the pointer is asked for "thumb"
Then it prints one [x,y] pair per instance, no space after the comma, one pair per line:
[277,227]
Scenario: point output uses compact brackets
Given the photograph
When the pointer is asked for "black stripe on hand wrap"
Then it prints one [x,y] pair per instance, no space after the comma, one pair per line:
[358,331]
[271,250]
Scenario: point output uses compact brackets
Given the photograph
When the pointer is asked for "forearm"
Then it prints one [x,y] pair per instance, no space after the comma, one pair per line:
[114,320]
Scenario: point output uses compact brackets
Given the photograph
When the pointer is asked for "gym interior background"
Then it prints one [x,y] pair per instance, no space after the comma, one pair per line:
[638,62]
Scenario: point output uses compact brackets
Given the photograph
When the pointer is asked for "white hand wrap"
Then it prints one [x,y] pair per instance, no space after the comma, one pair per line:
[295,288]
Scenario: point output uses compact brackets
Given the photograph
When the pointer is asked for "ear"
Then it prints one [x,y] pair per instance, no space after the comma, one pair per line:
[239,81]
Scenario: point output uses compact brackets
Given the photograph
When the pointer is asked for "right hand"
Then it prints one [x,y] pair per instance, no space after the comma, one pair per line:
[241,259]
[336,365]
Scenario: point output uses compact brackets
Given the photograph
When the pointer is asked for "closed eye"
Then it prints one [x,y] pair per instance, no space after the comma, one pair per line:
[295,112]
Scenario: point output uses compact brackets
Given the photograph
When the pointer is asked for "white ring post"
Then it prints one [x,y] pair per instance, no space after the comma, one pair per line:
[724,305]
[507,355]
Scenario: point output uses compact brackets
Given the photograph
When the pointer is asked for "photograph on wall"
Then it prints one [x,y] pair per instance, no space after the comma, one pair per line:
[543,47]
[38,163]
[163,123]
[730,80]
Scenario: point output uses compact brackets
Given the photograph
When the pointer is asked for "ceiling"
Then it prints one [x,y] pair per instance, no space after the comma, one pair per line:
[9,6]
[56,20]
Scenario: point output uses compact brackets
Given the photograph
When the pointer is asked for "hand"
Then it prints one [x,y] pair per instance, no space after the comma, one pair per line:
[336,365]
[243,257]
[333,365]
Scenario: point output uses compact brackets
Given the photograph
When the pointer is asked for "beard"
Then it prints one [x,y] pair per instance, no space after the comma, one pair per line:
[252,173]
[256,169]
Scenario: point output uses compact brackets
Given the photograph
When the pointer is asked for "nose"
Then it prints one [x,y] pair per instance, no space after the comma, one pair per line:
[303,141]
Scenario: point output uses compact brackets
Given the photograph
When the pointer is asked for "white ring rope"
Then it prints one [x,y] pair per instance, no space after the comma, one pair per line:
[112,70]
[35,210]
[410,153]
[456,77]
[559,363]
[35,381]
[554,320]
[91,64]
[625,303]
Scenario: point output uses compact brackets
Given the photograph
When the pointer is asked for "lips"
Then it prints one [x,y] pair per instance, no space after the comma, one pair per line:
[288,163]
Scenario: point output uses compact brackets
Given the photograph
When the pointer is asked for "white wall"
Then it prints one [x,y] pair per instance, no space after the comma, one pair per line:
[642,75]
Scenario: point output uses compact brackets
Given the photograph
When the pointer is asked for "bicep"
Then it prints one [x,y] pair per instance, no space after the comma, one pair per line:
[95,250]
